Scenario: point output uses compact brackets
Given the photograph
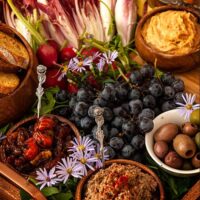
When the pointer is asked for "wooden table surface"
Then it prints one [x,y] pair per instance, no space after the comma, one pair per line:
[192,81]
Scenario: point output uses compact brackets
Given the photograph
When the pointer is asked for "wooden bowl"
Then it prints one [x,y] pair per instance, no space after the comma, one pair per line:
[29,120]
[14,105]
[10,188]
[166,62]
[82,183]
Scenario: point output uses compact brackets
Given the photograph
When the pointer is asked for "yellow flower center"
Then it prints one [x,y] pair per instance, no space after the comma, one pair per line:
[69,170]
[65,68]
[97,155]
[83,160]
[81,147]
[80,64]
[189,106]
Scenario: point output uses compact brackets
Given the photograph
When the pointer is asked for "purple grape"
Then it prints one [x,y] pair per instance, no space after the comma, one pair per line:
[145,125]
[135,107]
[138,142]
[127,150]
[149,101]
[116,143]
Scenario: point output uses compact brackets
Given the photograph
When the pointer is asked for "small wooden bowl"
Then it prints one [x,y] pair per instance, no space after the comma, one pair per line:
[166,62]
[82,183]
[14,179]
[14,105]
[28,121]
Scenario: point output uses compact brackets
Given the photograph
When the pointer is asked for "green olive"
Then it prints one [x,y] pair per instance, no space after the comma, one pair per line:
[195,117]
[197,139]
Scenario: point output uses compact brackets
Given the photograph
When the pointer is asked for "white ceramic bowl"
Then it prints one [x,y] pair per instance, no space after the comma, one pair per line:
[172,116]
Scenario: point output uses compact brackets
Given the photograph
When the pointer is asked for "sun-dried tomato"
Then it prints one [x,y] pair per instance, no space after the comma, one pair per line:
[31,149]
[45,123]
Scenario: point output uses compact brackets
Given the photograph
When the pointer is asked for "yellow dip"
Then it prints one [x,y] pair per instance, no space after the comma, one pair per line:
[172,32]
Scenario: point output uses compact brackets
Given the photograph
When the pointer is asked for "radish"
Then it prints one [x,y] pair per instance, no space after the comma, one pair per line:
[93,82]
[72,88]
[67,53]
[54,44]
[90,52]
[47,55]
[52,76]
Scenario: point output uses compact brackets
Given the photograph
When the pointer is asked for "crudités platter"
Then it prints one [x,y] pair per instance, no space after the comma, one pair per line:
[99,99]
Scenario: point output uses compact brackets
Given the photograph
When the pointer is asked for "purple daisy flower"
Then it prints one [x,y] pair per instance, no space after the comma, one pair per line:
[98,156]
[80,65]
[83,144]
[187,108]
[65,69]
[85,159]
[46,179]
[110,57]
[96,55]
[101,64]
[68,167]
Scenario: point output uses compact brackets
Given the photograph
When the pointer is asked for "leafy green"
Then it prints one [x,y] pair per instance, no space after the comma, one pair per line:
[175,187]
[49,191]
[158,73]
[48,101]
[62,196]
[24,195]
[4,129]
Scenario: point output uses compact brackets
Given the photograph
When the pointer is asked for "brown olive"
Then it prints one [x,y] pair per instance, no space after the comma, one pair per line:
[189,129]
[187,165]
[166,133]
[184,146]
[196,160]
[161,149]
[172,159]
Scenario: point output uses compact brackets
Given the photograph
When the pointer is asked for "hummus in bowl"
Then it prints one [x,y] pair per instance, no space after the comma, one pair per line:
[169,37]
[172,32]
[120,180]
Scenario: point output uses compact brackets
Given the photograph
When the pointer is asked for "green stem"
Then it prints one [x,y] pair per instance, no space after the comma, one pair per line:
[122,74]
[36,35]
[92,70]
[95,44]
[113,71]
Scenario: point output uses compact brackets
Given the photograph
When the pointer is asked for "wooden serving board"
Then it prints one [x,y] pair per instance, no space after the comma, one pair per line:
[192,82]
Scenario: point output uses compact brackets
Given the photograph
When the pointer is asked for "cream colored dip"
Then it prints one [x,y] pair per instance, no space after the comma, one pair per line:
[172,32]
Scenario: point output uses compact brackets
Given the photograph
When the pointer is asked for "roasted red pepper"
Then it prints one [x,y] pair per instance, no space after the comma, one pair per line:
[43,140]
[121,181]
[31,149]
[44,123]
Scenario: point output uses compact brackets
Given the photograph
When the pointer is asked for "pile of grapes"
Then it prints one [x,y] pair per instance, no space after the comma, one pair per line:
[129,109]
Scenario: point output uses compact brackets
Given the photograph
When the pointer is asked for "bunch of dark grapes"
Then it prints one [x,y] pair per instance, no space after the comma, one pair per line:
[129,109]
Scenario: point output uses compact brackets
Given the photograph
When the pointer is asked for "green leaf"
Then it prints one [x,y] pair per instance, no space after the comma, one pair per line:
[158,73]
[63,196]
[24,195]
[32,180]
[49,191]
[4,129]
[108,81]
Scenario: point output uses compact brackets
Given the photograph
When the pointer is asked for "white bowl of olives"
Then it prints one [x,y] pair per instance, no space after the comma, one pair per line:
[174,144]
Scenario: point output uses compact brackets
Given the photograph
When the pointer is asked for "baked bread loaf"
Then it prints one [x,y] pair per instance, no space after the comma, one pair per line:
[13,54]
[8,83]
